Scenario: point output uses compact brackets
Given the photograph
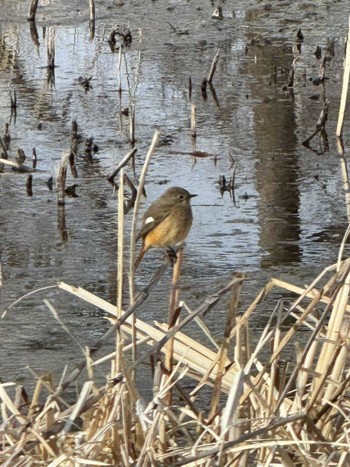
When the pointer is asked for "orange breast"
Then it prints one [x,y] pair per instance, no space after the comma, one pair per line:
[174,229]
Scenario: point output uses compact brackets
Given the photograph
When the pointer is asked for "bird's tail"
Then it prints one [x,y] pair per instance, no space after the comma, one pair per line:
[140,257]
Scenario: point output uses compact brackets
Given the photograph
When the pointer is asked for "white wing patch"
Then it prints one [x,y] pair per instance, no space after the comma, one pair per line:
[149,220]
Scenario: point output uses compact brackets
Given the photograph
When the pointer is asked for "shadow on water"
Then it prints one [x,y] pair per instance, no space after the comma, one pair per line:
[286,196]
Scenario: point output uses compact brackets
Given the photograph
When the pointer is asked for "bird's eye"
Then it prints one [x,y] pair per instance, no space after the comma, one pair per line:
[181,197]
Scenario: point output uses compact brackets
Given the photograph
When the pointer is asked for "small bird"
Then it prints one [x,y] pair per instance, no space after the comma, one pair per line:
[167,222]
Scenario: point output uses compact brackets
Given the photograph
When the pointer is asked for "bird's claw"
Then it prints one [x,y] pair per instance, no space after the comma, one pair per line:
[171,255]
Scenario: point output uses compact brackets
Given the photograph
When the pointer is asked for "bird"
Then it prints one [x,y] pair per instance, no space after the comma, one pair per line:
[167,222]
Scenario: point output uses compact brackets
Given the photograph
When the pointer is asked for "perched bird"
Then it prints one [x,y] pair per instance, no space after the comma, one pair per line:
[167,222]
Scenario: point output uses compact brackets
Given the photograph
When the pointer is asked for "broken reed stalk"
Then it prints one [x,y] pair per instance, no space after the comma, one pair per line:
[203,328]
[346,183]
[92,30]
[345,87]
[29,185]
[333,332]
[120,236]
[343,162]
[223,353]
[3,146]
[119,66]
[51,49]
[32,10]
[320,125]
[92,10]
[193,120]
[190,88]
[132,93]
[150,152]
[61,179]
[121,164]
[200,310]
[242,350]
[13,100]
[16,166]
[120,271]
[213,67]
[174,311]
[34,158]
[131,201]
[342,246]
[74,149]
[132,124]
[61,222]
[238,412]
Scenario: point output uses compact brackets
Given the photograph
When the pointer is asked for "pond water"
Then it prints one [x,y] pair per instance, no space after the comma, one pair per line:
[288,214]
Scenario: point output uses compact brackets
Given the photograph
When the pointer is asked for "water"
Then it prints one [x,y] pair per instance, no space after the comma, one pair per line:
[288,215]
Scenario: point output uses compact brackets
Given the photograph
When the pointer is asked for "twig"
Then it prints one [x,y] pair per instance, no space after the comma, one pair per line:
[320,125]
[32,10]
[213,67]
[131,201]
[121,164]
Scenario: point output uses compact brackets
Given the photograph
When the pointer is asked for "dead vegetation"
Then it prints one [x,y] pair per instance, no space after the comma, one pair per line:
[261,411]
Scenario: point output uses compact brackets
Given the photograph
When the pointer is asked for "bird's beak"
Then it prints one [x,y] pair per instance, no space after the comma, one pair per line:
[192,196]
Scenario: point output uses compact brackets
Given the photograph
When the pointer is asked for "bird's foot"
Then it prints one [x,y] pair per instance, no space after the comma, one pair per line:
[171,255]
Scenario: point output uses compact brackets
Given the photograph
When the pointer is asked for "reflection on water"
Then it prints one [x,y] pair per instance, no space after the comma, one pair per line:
[277,168]
[285,194]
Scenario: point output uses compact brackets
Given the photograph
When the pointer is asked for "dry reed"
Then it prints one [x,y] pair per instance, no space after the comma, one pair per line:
[258,412]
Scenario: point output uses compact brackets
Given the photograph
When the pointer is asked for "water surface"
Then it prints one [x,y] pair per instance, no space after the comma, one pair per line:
[288,214]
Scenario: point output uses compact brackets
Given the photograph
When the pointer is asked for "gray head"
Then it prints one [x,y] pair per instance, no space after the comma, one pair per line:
[176,195]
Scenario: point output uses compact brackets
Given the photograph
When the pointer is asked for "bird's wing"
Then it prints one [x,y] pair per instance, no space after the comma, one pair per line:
[152,218]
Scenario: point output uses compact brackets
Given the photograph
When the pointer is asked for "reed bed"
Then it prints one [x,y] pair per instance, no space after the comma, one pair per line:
[259,411]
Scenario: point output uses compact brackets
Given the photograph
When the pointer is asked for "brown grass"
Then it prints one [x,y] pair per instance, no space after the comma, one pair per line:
[259,413]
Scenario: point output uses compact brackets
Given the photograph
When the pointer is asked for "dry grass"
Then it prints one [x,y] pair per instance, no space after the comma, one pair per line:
[259,412]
